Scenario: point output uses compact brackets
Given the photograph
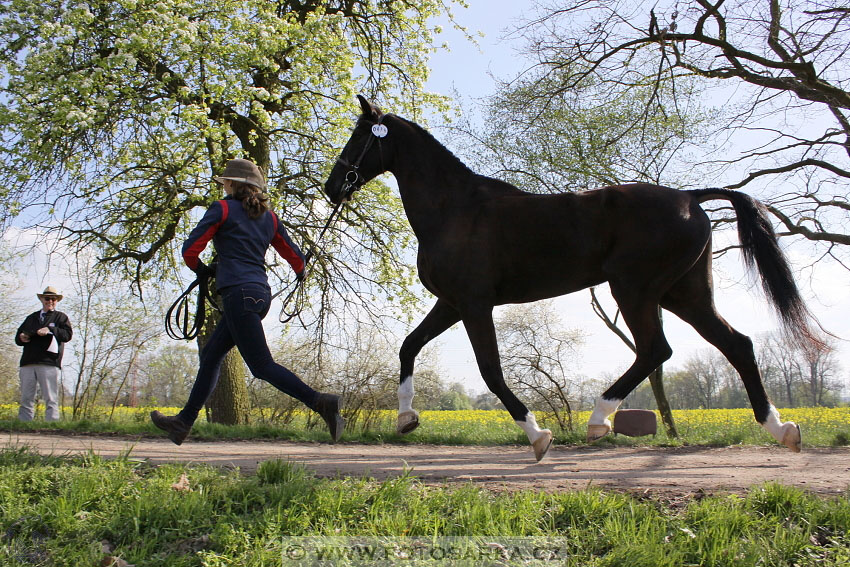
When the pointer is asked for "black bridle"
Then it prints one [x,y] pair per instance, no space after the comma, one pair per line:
[353,180]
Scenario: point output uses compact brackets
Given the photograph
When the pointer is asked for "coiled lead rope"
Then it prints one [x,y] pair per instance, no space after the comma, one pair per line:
[178,323]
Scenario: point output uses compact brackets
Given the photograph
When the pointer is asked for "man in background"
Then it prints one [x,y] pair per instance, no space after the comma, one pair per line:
[43,335]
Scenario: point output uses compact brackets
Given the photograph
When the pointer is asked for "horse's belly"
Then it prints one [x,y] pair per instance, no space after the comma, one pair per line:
[538,288]
[498,279]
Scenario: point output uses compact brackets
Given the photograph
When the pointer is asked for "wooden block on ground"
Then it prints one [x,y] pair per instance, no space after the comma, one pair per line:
[635,422]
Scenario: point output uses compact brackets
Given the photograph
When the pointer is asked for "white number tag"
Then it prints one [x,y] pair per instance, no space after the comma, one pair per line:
[379,130]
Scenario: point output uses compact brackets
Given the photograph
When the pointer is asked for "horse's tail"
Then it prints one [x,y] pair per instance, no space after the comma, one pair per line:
[761,252]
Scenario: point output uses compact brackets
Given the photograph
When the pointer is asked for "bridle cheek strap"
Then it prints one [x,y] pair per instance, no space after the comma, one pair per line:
[353,180]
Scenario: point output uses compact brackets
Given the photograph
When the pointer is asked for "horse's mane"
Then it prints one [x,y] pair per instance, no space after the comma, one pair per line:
[451,159]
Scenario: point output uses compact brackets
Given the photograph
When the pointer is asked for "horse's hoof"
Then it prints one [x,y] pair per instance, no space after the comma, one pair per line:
[407,422]
[595,432]
[793,438]
[542,445]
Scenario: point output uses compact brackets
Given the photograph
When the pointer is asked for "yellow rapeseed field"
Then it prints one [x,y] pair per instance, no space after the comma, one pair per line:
[820,426]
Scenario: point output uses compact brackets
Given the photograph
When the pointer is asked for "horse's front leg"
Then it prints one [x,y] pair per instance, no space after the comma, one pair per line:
[441,317]
[482,335]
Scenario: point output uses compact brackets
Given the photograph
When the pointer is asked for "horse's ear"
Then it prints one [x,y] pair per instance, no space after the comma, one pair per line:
[369,110]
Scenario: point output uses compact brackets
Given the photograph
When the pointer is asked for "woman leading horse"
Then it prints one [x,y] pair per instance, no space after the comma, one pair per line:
[242,227]
[483,242]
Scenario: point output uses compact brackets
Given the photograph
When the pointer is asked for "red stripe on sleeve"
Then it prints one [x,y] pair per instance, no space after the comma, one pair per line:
[197,242]
[191,255]
[284,247]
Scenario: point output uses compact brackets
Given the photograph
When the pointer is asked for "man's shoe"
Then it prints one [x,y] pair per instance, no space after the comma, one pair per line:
[176,428]
[327,406]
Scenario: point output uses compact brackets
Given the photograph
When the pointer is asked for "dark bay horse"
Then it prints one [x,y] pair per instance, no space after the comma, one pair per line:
[483,242]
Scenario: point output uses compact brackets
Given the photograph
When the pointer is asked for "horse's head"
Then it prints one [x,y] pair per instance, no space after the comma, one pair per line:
[361,159]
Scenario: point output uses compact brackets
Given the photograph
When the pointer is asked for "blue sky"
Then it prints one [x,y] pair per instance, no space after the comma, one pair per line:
[467,68]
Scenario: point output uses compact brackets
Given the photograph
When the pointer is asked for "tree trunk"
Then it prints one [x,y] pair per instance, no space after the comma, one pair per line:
[229,403]
[655,380]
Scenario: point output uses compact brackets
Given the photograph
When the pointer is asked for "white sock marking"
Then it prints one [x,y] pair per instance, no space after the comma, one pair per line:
[405,395]
[602,410]
[530,427]
[773,424]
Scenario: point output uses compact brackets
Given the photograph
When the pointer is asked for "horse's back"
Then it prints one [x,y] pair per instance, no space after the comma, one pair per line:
[609,233]
[530,246]
[611,210]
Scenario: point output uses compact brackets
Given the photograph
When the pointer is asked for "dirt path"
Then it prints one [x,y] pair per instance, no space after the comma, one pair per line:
[657,470]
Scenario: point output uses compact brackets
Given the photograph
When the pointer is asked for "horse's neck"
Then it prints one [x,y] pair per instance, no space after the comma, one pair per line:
[431,180]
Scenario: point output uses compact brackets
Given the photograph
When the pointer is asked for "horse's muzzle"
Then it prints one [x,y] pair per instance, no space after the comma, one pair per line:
[344,192]
[335,193]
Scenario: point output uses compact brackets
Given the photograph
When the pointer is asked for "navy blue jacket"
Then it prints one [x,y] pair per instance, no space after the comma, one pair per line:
[241,243]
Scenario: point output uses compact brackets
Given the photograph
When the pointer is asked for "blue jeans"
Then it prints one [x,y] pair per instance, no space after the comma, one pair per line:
[244,308]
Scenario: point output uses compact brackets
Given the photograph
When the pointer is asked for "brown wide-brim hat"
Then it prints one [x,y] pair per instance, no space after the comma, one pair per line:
[50,291]
[243,171]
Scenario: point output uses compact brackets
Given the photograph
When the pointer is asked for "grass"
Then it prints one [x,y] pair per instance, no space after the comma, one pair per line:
[822,427]
[79,511]
[59,510]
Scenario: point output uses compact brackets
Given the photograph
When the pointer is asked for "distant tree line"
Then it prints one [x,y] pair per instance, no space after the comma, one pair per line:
[793,378]
[119,356]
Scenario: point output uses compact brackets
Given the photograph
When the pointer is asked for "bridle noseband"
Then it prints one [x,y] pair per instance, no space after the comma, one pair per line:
[353,180]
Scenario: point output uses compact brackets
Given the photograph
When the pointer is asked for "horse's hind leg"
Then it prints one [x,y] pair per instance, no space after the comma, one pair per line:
[691,299]
[482,335]
[651,350]
[441,317]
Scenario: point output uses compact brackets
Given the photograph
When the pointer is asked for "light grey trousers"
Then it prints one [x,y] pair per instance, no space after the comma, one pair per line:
[46,377]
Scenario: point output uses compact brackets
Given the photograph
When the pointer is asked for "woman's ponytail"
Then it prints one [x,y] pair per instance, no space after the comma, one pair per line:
[254,200]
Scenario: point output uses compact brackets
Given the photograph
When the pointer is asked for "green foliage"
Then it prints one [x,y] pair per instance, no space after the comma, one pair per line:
[70,511]
[118,113]
[454,400]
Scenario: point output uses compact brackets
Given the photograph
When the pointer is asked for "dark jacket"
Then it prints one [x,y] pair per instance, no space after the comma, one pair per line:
[241,243]
[35,351]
